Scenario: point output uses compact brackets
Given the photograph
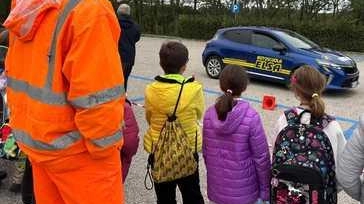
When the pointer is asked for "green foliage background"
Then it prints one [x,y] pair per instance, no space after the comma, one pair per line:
[337,24]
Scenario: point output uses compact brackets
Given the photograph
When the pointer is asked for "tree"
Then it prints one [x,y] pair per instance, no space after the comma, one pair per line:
[358,9]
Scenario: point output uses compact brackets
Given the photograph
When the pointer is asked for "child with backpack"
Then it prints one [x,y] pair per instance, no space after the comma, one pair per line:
[307,142]
[235,147]
[174,104]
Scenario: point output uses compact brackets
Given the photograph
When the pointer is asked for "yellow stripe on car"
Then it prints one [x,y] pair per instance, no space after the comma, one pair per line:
[246,64]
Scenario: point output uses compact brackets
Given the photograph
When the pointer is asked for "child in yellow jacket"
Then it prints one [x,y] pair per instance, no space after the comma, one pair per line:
[160,100]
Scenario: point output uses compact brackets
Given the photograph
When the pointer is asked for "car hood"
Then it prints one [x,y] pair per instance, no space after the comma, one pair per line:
[330,55]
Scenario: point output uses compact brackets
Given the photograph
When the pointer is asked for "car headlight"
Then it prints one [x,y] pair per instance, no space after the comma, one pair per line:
[327,65]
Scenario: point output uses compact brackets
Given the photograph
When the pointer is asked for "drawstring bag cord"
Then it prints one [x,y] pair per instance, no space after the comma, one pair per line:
[148,175]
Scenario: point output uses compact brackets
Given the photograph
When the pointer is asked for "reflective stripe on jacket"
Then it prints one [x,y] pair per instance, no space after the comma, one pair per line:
[65,85]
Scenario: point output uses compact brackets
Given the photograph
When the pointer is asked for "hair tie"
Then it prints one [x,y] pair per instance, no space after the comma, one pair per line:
[294,79]
[229,91]
[315,95]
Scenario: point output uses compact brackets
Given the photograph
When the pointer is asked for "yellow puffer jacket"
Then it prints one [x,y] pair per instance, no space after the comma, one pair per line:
[160,100]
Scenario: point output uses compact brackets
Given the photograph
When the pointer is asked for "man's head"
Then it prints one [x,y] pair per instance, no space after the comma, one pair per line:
[173,57]
[124,9]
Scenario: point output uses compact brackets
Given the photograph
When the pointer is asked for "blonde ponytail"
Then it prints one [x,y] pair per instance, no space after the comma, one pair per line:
[317,107]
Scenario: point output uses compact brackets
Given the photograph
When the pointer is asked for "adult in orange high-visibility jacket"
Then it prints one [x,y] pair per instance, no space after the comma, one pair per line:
[66,96]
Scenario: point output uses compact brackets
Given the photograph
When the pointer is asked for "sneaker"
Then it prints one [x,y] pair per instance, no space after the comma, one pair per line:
[3,175]
[15,188]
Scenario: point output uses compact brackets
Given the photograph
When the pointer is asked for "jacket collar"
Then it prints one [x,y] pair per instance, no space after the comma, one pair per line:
[174,79]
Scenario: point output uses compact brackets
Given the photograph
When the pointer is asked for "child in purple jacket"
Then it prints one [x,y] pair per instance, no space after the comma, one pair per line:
[235,148]
[131,139]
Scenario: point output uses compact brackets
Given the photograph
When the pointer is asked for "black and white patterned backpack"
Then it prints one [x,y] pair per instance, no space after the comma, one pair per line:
[303,169]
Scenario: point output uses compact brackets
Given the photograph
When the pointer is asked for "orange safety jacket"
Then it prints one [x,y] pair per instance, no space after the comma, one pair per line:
[65,83]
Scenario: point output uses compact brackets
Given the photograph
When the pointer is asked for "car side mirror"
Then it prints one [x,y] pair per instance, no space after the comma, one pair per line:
[280,48]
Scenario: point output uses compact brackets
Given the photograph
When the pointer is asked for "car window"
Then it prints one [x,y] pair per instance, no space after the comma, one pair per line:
[264,41]
[238,36]
[296,40]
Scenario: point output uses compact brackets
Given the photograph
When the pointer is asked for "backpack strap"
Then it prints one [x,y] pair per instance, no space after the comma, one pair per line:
[196,142]
[195,154]
[323,122]
[173,117]
[292,116]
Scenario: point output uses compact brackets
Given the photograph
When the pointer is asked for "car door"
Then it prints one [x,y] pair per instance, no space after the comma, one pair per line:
[237,49]
[271,64]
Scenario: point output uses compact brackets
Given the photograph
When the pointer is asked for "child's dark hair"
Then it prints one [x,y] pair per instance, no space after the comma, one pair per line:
[233,82]
[308,84]
[173,56]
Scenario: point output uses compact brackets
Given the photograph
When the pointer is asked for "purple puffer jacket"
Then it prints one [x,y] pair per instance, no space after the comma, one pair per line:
[236,156]
[131,139]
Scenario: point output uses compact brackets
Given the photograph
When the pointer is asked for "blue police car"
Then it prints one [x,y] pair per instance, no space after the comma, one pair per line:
[273,54]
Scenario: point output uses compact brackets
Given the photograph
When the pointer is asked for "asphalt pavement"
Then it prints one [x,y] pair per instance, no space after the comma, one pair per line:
[345,105]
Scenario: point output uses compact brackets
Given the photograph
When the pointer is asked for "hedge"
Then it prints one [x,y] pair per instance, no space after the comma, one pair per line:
[339,34]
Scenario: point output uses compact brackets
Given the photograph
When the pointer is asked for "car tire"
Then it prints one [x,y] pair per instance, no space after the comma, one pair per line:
[214,66]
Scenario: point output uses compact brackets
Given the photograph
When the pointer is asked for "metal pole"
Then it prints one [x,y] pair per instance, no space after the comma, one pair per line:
[235,13]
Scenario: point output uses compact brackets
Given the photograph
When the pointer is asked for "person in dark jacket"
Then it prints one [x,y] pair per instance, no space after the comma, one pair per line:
[130,35]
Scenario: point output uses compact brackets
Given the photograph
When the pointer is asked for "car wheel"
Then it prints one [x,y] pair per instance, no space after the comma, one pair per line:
[214,66]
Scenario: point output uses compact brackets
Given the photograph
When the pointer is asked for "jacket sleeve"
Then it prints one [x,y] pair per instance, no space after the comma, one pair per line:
[148,112]
[130,132]
[341,140]
[351,165]
[200,103]
[137,32]
[93,70]
[259,148]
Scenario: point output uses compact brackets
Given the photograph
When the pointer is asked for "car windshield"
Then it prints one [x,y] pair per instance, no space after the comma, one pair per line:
[296,40]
